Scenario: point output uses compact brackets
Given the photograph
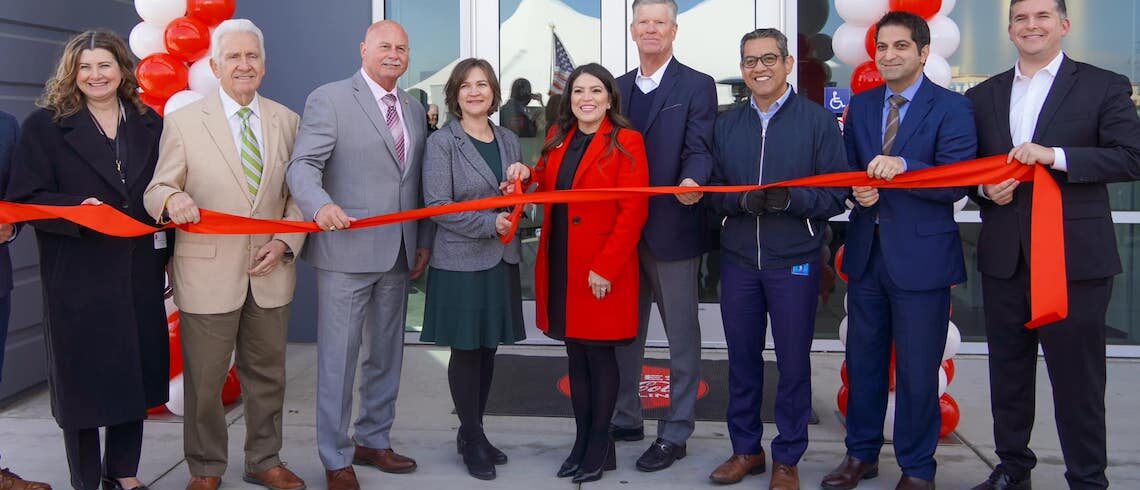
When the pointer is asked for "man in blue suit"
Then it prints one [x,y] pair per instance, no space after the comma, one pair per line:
[9,129]
[903,254]
[674,107]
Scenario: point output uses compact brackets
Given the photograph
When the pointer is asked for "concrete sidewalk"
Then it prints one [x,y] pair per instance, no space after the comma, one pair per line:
[425,429]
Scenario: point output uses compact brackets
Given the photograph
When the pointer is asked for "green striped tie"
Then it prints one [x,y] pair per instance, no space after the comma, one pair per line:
[250,155]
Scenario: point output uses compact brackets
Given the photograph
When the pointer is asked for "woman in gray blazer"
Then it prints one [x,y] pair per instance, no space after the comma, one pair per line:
[474,300]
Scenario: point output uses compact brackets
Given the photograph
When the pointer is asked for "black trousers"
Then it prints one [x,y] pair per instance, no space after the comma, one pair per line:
[120,458]
[593,395]
[1075,360]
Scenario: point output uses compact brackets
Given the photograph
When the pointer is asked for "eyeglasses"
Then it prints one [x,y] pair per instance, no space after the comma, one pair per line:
[768,60]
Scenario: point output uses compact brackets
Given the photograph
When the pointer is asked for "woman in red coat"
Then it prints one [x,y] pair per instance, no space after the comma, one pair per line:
[586,274]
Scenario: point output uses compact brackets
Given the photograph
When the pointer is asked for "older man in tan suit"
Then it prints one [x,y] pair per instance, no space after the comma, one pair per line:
[228,153]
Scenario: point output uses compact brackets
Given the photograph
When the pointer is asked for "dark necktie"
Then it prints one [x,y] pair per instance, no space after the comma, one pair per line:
[896,101]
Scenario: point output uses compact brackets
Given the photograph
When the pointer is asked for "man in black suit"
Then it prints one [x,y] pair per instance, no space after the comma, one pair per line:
[1078,120]
[8,131]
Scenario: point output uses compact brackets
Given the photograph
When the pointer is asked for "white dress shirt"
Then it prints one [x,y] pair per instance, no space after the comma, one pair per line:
[650,83]
[378,93]
[230,108]
[1025,103]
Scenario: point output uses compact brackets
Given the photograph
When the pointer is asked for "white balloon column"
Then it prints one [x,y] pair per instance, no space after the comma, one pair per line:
[854,44]
[172,35]
[947,405]
[173,42]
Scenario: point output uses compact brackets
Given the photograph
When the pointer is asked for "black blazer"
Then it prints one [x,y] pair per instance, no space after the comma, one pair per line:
[9,129]
[1089,114]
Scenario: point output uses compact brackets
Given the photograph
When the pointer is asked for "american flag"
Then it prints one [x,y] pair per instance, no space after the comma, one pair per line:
[560,68]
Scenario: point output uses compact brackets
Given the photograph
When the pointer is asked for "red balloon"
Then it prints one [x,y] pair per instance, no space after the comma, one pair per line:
[869,42]
[948,366]
[212,12]
[231,390]
[865,77]
[922,8]
[841,400]
[843,372]
[156,103]
[162,75]
[187,38]
[839,259]
[951,415]
[174,330]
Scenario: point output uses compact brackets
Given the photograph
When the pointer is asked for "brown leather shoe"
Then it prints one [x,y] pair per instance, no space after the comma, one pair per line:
[204,483]
[12,481]
[784,477]
[849,473]
[342,479]
[912,483]
[276,478]
[385,460]
[737,467]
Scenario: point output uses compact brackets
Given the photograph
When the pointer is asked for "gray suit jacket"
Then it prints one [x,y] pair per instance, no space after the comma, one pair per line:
[344,154]
[454,171]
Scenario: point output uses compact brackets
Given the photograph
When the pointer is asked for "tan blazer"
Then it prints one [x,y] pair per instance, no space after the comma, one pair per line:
[197,155]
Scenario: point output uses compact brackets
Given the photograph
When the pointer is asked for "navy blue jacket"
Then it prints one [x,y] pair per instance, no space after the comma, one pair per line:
[802,140]
[9,128]
[919,238]
[677,140]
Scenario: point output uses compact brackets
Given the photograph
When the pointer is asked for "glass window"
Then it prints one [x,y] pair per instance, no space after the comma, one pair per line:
[708,40]
[433,32]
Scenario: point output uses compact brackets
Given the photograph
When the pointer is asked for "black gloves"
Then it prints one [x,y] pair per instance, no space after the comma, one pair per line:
[772,200]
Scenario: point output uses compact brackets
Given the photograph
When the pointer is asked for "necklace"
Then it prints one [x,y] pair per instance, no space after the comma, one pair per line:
[113,143]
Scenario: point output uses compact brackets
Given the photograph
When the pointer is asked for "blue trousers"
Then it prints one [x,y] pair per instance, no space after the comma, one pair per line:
[748,296]
[879,313]
[5,309]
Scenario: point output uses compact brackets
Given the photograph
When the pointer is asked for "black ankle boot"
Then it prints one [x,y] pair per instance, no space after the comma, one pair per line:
[478,458]
[499,457]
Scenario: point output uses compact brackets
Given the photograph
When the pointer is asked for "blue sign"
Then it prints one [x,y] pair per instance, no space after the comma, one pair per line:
[836,99]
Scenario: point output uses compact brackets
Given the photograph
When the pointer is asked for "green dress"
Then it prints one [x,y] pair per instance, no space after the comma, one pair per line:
[480,309]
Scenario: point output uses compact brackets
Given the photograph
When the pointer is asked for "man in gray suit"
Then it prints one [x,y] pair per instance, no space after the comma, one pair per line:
[358,154]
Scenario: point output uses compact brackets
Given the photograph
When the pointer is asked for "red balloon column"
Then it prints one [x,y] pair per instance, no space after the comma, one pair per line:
[173,36]
[854,41]
[922,8]
[865,77]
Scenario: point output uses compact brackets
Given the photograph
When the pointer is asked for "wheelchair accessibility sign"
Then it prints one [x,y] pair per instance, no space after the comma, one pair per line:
[836,99]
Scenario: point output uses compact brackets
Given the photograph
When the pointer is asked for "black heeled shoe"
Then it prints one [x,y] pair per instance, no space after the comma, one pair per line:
[499,457]
[609,464]
[109,483]
[568,468]
[478,458]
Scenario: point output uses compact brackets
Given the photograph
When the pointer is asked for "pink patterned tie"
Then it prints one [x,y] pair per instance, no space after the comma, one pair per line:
[396,128]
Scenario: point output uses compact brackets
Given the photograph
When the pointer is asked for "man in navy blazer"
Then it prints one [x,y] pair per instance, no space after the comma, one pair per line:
[1076,119]
[903,254]
[674,107]
[9,129]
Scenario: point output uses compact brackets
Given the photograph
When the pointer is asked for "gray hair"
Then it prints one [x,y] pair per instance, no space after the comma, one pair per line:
[672,4]
[767,33]
[233,26]
[1062,9]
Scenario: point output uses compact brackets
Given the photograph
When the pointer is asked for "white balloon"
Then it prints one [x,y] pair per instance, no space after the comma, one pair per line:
[944,36]
[960,204]
[889,420]
[947,7]
[178,101]
[850,44]
[160,12]
[938,70]
[845,302]
[177,403]
[146,39]
[942,381]
[843,331]
[863,12]
[202,79]
[953,342]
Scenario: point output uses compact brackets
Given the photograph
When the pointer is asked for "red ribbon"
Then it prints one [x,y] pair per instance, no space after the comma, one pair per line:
[1048,291]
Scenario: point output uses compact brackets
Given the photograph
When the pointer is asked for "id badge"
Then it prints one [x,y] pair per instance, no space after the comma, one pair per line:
[801,270]
[160,240]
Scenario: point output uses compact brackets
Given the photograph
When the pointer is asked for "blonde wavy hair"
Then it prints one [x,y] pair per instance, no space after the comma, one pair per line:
[61,94]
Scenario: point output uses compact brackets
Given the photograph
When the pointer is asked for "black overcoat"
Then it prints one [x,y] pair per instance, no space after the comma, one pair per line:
[104,316]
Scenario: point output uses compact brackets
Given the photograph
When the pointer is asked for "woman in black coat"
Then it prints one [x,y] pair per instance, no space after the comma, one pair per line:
[93,142]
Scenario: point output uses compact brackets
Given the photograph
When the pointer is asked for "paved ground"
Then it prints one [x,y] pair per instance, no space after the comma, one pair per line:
[425,429]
